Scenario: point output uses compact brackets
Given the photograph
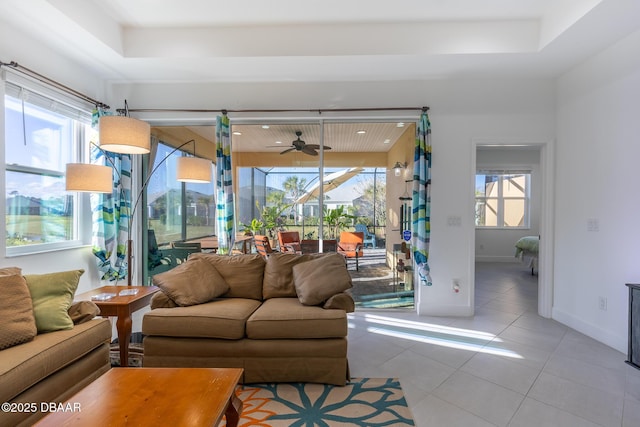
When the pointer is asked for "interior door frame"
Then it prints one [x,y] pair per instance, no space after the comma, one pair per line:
[545,255]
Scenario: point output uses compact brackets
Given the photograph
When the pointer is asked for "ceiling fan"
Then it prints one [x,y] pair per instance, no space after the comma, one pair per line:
[299,145]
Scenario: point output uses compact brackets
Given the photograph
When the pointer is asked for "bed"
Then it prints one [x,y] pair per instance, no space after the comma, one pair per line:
[527,251]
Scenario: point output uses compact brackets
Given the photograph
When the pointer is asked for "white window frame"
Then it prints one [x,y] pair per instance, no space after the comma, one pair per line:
[75,109]
[500,225]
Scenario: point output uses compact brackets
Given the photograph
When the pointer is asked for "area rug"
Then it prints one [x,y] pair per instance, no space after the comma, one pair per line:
[367,402]
[135,351]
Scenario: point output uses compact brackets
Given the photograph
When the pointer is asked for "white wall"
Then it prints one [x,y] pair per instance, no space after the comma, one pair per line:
[498,245]
[461,111]
[15,46]
[597,177]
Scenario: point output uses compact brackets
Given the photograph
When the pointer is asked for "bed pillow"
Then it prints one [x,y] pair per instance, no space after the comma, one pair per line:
[193,282]
[318,280]
[16,310]
[52,296]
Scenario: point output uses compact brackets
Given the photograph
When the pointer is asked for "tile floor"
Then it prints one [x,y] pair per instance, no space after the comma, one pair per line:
[505,366]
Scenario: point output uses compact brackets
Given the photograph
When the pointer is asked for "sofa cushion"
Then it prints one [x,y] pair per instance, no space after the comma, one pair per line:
[278,274]
[243,273]
[27,364]
[223,318]
[321,278]
[195,281]
[16,311]
[287,318]
[52,295]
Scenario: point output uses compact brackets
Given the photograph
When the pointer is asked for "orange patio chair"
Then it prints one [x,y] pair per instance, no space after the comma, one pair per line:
[350,245]
[289,242]
[262,245]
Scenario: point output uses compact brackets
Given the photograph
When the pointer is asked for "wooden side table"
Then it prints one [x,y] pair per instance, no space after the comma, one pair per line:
[121,306]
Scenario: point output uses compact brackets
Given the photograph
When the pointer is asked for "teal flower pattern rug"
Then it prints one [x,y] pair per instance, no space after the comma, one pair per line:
[366,402]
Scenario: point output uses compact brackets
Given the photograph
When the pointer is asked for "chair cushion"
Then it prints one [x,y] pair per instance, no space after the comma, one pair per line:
[52,295]
[243,273]
[317,280]
[195,281]
[287,318]
[16,310]
[224,318]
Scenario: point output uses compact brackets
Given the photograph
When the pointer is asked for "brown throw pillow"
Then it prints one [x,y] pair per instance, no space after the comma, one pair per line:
[195,281]
[318,280]
[16,311]
[10,271]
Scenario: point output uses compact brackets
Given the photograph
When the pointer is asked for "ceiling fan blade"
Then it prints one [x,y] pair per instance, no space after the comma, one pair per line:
[317,147]
[310,151]
[287,150]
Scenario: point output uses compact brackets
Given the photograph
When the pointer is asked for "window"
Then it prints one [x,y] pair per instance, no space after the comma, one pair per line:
[176,210]
[502,199]
[42,135]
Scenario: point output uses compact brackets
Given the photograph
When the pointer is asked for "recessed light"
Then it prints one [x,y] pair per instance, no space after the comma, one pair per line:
[386,141]
[237,133]
[278,142]
[361,132]
[400,125]
[265,126]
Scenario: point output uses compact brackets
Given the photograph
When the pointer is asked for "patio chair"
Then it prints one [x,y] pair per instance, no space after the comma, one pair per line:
[289,242]
[369,238]
[350,245]
[262,245]
[194,246]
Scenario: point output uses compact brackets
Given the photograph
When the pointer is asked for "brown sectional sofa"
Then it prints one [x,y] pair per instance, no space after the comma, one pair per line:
[52,368]
[50,347]
[282,320]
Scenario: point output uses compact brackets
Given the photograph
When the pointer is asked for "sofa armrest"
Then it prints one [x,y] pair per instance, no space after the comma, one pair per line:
[341,301]
[83,311]
[161,300]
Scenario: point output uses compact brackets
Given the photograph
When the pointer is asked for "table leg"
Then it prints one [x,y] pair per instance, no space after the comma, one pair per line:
[123,325]
[232,413]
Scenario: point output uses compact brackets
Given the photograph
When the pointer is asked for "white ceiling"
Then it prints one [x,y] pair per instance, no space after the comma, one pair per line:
[165,41]
[323,40]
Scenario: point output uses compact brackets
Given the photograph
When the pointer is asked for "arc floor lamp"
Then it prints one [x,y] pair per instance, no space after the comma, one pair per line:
[125,135]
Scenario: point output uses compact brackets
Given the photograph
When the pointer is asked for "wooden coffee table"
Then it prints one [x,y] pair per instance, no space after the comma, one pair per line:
[121,307]
[154,397]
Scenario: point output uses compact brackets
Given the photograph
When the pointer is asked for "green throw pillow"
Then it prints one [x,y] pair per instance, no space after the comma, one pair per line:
[52,295]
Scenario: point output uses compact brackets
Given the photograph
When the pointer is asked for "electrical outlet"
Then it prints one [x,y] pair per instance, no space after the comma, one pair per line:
[602,303]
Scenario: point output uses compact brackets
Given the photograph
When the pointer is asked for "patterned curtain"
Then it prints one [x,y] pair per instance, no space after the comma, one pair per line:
[224,187]
[421,209]
[111,213]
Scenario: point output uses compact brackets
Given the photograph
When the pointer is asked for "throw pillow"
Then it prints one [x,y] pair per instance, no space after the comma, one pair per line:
[16,311]
[195,281]
[317,280]
[52,295]
[10,271]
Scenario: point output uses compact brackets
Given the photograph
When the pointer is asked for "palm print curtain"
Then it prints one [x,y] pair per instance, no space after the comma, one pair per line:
[421,209]
[224,187]
[111,213]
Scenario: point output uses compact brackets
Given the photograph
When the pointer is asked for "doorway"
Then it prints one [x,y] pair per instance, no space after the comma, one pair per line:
[494,244]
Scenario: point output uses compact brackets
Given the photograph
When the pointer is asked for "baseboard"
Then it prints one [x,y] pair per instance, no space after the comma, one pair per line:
[617,342]
[497,258]
[445,310]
